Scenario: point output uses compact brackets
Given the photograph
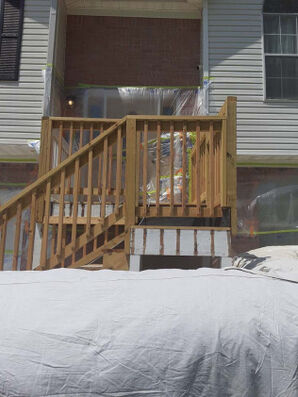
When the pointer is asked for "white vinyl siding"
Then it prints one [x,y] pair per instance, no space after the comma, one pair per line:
[21,102]
[266,130]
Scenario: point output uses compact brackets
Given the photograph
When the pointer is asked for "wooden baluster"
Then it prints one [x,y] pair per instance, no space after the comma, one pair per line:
[69,154]
[64,230]
[71,134]
[91,132]
[50,147]
[172,175]
[89,192]
[31,232]
[198,171]
[218,167]
[100,164]
[110,169]
[138,165]
[118,170]
[61,213]
[184,169]
[45,230]
[104,179]
[215,165]
[81,135]
[204,164]
[145,168]
[53,244]
[76,188]
[223,161]
[80,176]
[157,182]
[91,139]
[17,237]
[92,192]
[3,240]
[211,170]
[60,137]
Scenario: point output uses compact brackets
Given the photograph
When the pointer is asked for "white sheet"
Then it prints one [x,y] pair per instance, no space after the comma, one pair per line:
[157,333]
[274,261]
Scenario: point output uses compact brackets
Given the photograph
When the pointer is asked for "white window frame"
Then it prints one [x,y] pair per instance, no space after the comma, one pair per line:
[276,55]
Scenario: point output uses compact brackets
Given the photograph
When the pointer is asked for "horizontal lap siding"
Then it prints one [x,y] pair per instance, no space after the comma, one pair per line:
[236,68]
[21,102]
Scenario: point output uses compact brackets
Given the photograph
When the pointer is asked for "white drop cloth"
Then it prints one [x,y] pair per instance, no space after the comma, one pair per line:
[157,333]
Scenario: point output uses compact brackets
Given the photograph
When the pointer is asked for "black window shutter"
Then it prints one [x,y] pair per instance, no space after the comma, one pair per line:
[11,28]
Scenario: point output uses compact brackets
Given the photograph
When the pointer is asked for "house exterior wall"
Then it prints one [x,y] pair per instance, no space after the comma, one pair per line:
[267,131]
[132,51]
[21,102]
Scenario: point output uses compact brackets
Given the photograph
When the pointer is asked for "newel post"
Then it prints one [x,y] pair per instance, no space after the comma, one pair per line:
[130,179]
[43,161]
[231,128]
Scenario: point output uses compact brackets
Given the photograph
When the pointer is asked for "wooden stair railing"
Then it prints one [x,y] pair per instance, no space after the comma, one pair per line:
[139,167]
[182,166]
[107,148]
[63,136]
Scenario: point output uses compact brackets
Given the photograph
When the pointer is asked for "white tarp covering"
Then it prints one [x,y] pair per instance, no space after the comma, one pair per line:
[275,261]
[158,333]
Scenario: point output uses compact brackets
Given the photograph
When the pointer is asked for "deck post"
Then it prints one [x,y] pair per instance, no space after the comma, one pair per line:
[130,180]
[43,162]
[135,263]
[231,116]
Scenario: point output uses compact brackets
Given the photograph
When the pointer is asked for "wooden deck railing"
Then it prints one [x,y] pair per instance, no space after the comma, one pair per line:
[63,136]
[158,166]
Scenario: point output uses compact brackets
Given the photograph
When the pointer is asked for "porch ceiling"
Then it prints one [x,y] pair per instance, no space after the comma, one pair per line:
[136,8]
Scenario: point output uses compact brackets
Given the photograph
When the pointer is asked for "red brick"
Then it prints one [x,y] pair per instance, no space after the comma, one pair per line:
[132,51]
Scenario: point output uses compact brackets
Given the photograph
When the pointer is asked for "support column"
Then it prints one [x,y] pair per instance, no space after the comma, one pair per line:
[135,263]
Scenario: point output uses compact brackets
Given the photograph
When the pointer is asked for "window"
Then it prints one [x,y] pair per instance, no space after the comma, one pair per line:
[281,49]
[11,26]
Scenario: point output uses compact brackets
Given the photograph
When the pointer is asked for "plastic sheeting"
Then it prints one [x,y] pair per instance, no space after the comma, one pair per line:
[165,167]
[204,333]
[117,102]
[34,145]
[267,201]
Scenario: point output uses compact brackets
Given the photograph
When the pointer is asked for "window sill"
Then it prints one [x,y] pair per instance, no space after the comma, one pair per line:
[281,101]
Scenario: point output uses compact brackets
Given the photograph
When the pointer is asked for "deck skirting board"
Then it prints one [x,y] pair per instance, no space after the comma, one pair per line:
[181,242]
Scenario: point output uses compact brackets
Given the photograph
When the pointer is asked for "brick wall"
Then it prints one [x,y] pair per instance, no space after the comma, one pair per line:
[14,173]
[132,51]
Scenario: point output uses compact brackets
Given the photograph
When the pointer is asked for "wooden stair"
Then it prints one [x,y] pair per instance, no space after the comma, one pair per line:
[87,201]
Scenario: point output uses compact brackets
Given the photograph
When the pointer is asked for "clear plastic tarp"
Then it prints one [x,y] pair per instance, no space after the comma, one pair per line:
[165,166]
[117,102]
[267,200]
[267,206]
